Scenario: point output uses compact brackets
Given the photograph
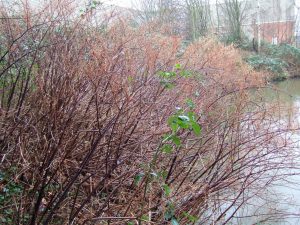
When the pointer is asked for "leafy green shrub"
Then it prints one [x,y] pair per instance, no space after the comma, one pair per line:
[289,54]
[283,50]
[232,39]
[273,65]
[243,43]
[248,45]
[9,193]
[278,59]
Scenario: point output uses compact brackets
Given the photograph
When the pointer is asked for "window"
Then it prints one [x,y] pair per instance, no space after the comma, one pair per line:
[274,40]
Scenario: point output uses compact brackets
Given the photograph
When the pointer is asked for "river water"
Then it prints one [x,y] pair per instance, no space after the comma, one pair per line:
[283,198]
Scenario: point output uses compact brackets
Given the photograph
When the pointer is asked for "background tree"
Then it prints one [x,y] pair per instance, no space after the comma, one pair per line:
[234,16]
[198,17]
[166,12]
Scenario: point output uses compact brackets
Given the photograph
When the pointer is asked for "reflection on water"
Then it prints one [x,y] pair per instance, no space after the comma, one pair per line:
[284,196]
[289,96]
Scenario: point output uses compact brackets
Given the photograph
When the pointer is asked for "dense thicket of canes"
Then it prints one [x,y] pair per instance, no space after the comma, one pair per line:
[121,125]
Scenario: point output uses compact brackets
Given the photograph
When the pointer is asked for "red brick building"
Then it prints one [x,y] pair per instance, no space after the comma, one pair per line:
[273,21]
[276,32]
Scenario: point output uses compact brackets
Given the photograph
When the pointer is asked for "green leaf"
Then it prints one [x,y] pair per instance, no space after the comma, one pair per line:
[174,221]
[184,118]
[167,190]
[178,66]
[168,149]
[176,140]
[169,214]
[167,137]
[190,103]
[172,122]
[172,74]
[185,73]
[130,223]
[167,84]
[183,124]
[184,121]
[161,73]
[130,79]
[179,110]
[163,174]
[192,116]
[196,128]
[145,218]
[191,218]
[138,178]
[166,74]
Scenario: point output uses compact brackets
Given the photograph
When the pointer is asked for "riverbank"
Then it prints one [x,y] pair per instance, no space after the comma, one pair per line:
[279,62]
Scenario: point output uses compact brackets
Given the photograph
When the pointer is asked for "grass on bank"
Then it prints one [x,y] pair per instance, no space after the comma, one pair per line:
[280,61]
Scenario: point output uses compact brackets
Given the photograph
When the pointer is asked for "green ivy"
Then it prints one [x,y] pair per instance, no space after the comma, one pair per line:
[10,190]
[274,65]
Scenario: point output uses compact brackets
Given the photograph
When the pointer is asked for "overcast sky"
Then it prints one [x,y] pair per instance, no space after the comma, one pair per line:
[124,3]
[127,3]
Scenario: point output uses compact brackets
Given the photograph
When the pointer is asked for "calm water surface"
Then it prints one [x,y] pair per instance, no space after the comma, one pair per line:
[287,95]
